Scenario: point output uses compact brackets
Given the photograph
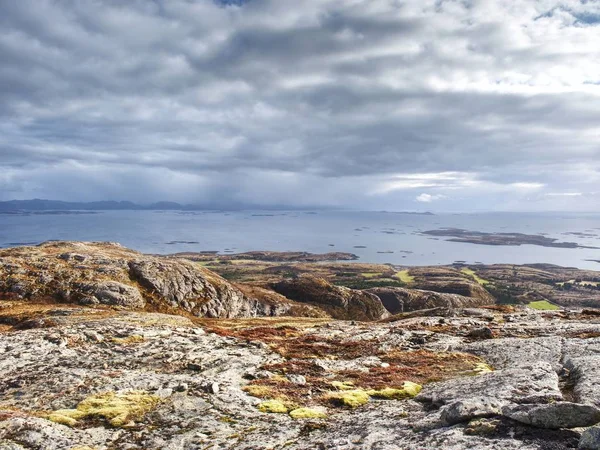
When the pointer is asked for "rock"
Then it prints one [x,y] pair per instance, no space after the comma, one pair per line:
[92,273]
[296,379]
[554,415]
[590,439]
[585,375]
[512,352]
[212,388]
[399,300]
[534,383]
[465,410]
[339,302]
[481,333]
[113,293]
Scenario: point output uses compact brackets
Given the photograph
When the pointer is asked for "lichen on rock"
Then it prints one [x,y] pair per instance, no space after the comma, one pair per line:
[273,406]
[307,413]
[408,390]
[118,408]
[351,399]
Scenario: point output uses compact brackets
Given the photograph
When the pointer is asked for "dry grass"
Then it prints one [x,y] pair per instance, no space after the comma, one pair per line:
[25,315]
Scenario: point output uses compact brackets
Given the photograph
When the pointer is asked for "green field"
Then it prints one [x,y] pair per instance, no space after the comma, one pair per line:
[405,277]
[473,275]
[543,305]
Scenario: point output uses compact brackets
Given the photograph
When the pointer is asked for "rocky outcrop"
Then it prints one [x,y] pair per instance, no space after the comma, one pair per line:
[398,300]
[108,378]
[109,274]
[339,302]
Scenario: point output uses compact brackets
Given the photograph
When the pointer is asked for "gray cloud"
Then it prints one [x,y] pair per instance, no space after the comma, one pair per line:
[387,104]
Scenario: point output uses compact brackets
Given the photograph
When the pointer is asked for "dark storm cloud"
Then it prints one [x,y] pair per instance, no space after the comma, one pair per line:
[371,104]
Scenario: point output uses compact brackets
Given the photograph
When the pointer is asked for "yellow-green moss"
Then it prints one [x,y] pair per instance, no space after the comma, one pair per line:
[307,413]
[352,399]
[118,409]
[343,385]
[408,390]
[272,406]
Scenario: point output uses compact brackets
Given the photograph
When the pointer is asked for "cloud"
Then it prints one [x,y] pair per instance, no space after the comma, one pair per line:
[361,104]
[428,198]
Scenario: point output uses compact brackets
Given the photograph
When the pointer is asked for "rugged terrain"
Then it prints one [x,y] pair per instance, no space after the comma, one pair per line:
[105,348]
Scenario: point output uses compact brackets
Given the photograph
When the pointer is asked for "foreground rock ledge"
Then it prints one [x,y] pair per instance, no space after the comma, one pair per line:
[98,378]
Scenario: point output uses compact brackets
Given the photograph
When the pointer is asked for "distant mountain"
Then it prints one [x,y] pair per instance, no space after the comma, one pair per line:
[57,205]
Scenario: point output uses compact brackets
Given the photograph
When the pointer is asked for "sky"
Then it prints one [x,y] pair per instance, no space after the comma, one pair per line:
[441,105]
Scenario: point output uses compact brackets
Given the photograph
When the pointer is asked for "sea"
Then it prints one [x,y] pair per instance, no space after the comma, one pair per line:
[375,237]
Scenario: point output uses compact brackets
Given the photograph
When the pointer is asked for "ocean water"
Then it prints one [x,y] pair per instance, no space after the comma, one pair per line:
[381,237]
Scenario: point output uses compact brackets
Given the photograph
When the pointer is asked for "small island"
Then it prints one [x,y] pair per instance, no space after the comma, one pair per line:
[482,238]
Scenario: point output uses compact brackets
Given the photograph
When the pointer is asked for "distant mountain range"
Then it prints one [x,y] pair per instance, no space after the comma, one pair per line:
[58,205]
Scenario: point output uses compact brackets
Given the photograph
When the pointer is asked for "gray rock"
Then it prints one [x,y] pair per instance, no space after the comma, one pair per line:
[534,383]
[116,294]
[585,374]
[590,439]
[465,410]
[554,415]
[481,333]
[296,379]
[511,352]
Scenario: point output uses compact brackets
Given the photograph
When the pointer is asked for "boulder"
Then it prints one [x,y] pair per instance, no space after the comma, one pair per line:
[530,383]
[512,352]
[472,408]
[554,415]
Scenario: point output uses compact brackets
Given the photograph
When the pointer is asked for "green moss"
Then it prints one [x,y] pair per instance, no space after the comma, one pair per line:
[272,406]
[307,413]
[405,276]
[408,390]
[351,399]
[473,275]
[543,305]
[118,409]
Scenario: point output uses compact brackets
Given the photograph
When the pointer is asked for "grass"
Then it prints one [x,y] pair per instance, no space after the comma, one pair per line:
[405,277]
[543,305]
[473,275]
